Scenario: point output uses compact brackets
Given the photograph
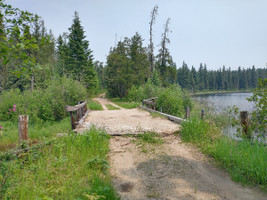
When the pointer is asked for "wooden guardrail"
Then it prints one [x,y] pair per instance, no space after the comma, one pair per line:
[150,102]
[78,113]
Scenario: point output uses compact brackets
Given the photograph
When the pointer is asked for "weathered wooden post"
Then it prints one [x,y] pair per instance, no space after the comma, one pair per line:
[187,112]
[72,119]
[202,114]
[23,127]
[244,122]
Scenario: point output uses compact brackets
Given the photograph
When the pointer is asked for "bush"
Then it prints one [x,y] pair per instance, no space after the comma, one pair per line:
[171,100]
[43,104]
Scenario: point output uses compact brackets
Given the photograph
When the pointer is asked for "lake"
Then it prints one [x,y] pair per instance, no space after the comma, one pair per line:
[221,101]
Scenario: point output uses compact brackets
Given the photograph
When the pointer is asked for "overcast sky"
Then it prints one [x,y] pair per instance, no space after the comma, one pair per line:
[216,32]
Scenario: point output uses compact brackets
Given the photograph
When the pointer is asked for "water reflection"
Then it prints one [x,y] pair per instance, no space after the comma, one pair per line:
[220,103]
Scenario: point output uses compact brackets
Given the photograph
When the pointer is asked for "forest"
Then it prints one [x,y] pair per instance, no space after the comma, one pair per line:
[31,57]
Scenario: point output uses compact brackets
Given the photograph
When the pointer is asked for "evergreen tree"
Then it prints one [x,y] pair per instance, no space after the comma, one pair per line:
[80,60]
[254,77]
[201,79]
[206,77]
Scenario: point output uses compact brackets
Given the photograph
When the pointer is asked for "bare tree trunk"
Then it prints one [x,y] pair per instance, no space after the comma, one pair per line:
[154,13]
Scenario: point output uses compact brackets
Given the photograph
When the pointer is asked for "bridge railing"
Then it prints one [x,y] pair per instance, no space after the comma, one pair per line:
[150,102]
[78,113]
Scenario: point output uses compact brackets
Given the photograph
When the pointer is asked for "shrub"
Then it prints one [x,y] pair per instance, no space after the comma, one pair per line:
[171,101]
[43,104]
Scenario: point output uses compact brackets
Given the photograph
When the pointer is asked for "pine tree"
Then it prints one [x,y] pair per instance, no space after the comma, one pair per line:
[80,60]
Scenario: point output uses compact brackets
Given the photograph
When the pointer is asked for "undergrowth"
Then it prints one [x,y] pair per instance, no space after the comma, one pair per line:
[111,107]
[125,104]
[39,131]
[93,105]
[245,161]
[70,167]
[148,141]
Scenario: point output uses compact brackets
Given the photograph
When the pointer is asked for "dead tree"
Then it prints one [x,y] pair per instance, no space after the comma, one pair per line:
[153,15]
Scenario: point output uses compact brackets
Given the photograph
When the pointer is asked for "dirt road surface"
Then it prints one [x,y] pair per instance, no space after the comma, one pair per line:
[169,171]
[126,121]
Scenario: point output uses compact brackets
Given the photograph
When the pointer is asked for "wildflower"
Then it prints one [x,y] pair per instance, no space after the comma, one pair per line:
[1,127]
[14,109]
[9,109]
[14,106]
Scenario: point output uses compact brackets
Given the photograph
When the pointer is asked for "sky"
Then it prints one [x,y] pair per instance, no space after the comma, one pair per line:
[216,32]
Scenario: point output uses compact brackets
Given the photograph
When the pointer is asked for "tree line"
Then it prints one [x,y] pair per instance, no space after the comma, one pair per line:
[31,56]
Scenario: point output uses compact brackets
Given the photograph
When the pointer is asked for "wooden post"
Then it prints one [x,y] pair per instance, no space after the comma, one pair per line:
[202,114]
[187,113]
[72,119]
[244,122]
[23,127]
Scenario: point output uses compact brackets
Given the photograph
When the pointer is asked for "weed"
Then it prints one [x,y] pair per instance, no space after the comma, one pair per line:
[93,105]
[125,104]
[71,167]
[246,162]
[155,115]
[111,107]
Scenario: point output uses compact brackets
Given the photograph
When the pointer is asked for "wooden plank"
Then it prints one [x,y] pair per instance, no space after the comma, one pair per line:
[74,108]
[170,117]
[150,99]
[149,102]
[83,118]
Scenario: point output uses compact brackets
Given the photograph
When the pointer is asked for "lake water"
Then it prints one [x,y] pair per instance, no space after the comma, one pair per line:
[222,101]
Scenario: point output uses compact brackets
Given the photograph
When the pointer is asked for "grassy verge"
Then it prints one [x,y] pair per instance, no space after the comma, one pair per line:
[245,162]
[9,138]
[148,141]
[70,167]
[155,115]
[218,92]
[111,107]
[93,105]
[125,104]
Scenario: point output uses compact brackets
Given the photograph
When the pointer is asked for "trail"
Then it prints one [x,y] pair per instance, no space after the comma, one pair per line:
[169,171]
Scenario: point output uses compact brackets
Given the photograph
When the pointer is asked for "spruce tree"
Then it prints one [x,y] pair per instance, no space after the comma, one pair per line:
[80,60]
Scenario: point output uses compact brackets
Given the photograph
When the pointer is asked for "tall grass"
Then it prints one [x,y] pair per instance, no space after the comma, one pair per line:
[70,167]
[246,162]
[93,105]
[37,131]
[125,104]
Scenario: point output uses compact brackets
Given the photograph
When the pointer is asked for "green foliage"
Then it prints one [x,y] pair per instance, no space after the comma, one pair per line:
[127,65]
[259,97]
[124,103]
[245,162]
[151,137]
[9,137]
[111,107]
[44,104]
[93,105]
[71,167]
[171,101]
